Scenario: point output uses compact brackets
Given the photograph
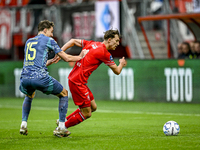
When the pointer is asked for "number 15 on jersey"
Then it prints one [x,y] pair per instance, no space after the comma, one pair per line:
[30,49]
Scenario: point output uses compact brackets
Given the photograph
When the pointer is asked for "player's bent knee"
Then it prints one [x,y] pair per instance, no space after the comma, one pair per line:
[94,108]
[31,96]
[86,112]
[88,115]
[63,93]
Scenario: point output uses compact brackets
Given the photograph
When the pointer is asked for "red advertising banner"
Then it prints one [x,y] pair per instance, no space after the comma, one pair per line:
[5,29]
[83,24]
[13,2]
[184,6]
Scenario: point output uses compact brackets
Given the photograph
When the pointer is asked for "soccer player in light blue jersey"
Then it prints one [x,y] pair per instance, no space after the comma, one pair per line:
[35,76]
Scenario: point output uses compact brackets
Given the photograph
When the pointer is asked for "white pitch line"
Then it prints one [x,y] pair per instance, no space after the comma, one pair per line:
[150,113]
[106,111]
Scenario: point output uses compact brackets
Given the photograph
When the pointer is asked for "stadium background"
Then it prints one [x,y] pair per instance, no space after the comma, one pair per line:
[162,79]
[132,107]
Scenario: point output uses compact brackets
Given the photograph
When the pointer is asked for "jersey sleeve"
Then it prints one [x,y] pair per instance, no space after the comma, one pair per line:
[85,43]
[52,44]
[107,59]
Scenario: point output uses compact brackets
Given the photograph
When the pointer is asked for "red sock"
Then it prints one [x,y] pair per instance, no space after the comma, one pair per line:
[75,112]
[74,120]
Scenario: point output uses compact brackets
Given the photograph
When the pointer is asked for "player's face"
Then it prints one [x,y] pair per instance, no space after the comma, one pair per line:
[114,42]
[49,32]
[185,48]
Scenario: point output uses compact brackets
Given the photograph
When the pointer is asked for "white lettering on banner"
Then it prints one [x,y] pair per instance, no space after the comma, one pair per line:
[174,82]
[26,20]
[17,73]
[83,24]
[189,7]
[5,29]
[122,86]
[175,89]
[23,22]
[3,34]
[63,75]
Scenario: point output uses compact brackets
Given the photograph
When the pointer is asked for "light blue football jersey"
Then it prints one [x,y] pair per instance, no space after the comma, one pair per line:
[36,56]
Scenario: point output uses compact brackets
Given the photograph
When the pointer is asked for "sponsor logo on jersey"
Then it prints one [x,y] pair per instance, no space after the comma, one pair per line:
[111,58]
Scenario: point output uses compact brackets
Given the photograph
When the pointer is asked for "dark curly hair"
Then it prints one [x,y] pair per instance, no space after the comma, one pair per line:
[110,34]
[45,24]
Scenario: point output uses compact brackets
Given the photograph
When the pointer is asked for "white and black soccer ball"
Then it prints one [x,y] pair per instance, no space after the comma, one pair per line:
[171,128]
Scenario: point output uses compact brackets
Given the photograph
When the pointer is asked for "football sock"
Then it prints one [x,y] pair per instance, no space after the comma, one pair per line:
[62,125]
[74,120]
[63,105]
[24,123]
[76,111]
[26,107]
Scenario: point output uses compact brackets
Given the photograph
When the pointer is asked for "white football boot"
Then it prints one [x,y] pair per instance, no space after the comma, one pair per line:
[23,130]
[61,132]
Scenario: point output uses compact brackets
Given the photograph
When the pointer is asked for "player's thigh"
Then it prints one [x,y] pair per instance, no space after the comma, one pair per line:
[90,93]
[48,85]
[80,94]
[93,103]
[26,87]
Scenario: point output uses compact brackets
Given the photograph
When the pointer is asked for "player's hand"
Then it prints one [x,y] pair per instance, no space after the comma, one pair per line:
[49,62]
[83,53]
[123,61]
[56,59]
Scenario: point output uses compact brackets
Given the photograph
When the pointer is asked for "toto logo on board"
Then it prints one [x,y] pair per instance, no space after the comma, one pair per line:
[178,84]
[122,85]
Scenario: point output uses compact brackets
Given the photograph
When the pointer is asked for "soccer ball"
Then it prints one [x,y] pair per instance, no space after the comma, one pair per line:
[171,128]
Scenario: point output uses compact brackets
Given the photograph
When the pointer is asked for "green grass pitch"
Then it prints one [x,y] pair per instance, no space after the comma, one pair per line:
[116,125]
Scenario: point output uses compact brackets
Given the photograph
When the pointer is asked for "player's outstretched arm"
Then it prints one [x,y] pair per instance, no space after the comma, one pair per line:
[70,58]
[71,43]
[117,69]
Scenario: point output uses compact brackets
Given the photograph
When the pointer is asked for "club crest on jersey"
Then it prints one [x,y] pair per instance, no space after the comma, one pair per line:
[78,64]
[111,58]
[94,46]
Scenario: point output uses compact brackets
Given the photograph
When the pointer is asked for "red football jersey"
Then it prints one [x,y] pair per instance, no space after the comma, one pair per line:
[84,67]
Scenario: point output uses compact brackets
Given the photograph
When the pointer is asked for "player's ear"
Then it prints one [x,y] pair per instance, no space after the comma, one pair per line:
[45,30]
[109,40]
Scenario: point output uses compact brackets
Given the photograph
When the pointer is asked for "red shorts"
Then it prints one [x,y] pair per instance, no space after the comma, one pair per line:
[81,94]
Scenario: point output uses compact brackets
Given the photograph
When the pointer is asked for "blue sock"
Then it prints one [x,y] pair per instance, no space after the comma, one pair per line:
[26,108]
[63,106]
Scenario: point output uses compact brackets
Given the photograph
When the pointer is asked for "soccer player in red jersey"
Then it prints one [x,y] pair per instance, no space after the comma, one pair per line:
[97,53]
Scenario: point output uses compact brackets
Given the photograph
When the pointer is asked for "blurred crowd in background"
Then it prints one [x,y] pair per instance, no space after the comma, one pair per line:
[189,50]
[47,2]
[78,19]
